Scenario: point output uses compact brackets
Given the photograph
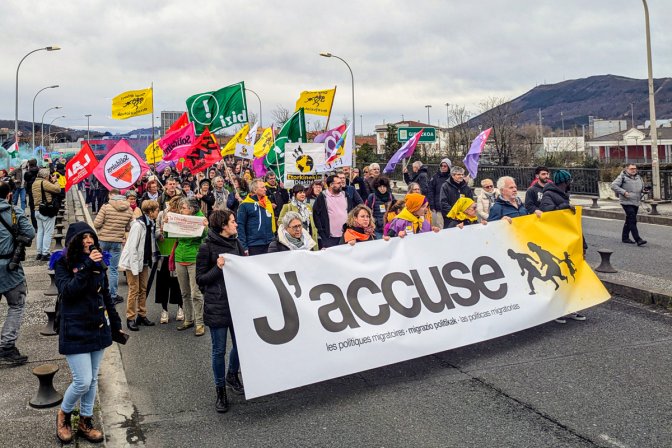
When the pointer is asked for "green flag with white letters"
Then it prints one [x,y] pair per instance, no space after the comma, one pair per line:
[219,109]
[293,131]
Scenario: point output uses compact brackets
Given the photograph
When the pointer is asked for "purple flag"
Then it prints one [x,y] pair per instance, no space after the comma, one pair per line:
[334,134]
[403,152]
[258,166]
[471,159]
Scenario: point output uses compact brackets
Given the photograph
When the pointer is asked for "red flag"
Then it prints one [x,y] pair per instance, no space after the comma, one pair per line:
[121,167]
[80,167]
[178,124]
[203,154]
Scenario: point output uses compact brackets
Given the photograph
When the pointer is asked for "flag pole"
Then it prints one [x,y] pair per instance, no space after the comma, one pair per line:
[153,138]
[331,107]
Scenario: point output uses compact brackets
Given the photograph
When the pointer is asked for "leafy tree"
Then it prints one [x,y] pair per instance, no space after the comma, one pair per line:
[366,154]
[392,145]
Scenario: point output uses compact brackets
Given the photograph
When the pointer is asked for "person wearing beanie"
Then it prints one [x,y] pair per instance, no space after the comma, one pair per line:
[88,325]
[411,219]
[462,214]
[434,190]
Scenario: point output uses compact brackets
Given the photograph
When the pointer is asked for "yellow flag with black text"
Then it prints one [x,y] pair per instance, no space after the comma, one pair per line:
[316,102]
[264,144]
[230,148]
[153,152]
[132,104]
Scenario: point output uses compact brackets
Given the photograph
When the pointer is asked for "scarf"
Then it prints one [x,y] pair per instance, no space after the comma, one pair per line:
[303,243]
[302,210]
[264,203]
[406,215]
[357,234]
[457,212]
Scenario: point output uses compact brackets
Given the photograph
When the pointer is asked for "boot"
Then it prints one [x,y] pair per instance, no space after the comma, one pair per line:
[86,430]
[222,404]
[234,383]
[64,426]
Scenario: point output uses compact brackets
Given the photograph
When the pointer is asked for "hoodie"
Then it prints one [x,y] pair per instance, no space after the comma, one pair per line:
[113,220]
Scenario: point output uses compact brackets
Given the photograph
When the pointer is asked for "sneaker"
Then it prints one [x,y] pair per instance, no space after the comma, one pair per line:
[561,320]
[180,314]
[184,326]
[200,330]
[164,317]
[641,242]
[628,241]
[577,316]
[11,357]
[118,299]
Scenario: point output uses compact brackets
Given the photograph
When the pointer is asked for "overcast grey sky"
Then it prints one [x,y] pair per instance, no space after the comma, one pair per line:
[404,54]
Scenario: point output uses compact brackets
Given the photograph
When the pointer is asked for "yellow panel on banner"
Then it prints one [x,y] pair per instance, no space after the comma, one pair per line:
[132,104]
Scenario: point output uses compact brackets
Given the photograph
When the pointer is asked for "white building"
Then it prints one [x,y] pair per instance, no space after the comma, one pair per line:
[437,148]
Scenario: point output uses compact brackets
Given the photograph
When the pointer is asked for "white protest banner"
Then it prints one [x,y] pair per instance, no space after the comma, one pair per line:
[377,303]
[301,159]
[244,151]
[183,226]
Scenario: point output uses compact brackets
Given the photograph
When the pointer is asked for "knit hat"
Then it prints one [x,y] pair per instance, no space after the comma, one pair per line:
[414,201]
[561,177]
[448,162]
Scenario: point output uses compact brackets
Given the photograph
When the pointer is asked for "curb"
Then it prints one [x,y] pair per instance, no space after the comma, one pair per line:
[630,290]
[119,415]
[612,214]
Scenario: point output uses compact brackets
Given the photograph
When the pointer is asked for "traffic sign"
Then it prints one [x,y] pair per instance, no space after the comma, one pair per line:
[406,133]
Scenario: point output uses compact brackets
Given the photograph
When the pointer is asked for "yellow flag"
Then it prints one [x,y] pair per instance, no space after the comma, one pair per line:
[264,144]
[132,104]
[153,152]
[230,147]
[316,102]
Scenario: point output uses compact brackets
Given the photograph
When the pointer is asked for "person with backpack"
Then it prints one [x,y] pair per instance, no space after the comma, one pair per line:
[45,191]
[628,186]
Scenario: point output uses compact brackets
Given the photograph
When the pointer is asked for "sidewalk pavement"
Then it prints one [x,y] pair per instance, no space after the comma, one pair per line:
[22,425]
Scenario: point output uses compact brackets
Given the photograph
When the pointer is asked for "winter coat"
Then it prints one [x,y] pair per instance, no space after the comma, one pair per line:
[398,224]
[379,207]
[255,226]
[290,207]
[554,199]
[360,186]
[278,196]
[133,254]
[434,190]
[484,201]
[164,198]
[207,202]
[50,189]
[88,315]
[533,197]
[452,223]
[29,177]
[451,192]
[502,208]
[421,177]
[632,184]
[187,248]
[321,214]
[11,279]
[210,280]
[113,220]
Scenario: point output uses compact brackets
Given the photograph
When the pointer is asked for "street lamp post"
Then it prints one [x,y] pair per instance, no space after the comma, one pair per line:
[447,115]
[38,92]
[16,100]
[352,77]
[88,128]
[42,121]
[655,168]
[428,106]
[261,120]
[562,118]
[361,124]
[49,128]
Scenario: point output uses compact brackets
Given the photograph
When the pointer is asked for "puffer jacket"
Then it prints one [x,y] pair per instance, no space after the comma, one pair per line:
[434,193]
[633,185]
[210,280]
[255,227]
[554,199]
[502,208]
[484,201]
[11,279]
[50,189]
[113,220]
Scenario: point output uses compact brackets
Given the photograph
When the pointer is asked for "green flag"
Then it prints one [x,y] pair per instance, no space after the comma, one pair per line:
[293,131]
[219,109]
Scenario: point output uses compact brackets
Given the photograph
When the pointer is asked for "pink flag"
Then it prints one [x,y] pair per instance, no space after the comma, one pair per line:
[176,144]
[474,154]
[121,167]
[258,166]
[331,134]
[403,152]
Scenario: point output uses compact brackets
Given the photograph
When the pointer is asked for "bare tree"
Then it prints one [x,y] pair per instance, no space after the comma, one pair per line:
[461,134]
[253,118]
[498,114]
[281,114]
[317,126]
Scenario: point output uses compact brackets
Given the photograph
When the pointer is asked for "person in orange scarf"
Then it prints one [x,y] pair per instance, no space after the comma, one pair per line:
[412,218]
[359,226]
[462,214]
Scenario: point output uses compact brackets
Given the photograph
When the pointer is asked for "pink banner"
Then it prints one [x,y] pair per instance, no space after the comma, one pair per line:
[177,143]
[121,167]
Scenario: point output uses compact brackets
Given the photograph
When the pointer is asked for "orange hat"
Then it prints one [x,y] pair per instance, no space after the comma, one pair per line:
[414,201]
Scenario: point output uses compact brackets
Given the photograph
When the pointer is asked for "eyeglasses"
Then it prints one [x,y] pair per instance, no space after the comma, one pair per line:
[488,186]
[296,227]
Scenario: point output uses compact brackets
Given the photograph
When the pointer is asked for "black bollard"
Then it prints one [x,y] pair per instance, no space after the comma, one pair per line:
[51,290]
[58,237]
[48,329]
[605,264]
[654,208]
[595,203]
[46,395]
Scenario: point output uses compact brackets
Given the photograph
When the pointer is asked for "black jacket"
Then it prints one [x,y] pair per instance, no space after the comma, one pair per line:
[533,197]
[452,223]
[361,187]
[278,196]
[434,191]
[321,214]
[554,199]
[85,301]
[451,192]
[210,280]
[29,176]
[421,177]
[379,206]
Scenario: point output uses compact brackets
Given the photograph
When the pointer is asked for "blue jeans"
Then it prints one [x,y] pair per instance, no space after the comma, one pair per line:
[218,336]
[115,251]
[20,193]
[16,301]
[45,228]
[84,368]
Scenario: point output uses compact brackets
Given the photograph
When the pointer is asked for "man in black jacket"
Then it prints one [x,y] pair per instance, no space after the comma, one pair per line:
[419,176]
[452,190]
[330,212]
[535,192]
[434,191]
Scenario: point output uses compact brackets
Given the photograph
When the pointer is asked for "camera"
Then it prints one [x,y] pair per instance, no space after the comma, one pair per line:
[19,255]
